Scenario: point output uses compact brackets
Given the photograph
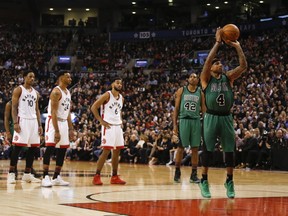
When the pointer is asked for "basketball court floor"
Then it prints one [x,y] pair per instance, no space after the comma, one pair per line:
[150,190]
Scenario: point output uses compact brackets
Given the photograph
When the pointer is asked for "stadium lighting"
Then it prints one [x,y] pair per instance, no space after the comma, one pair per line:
[87,9]
[51,9]
[208,4]
[226,2]
[217,7]
[283,16]
[69,9]
[265,19]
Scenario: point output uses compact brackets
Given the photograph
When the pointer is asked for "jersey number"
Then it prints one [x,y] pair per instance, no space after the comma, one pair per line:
[220,100]
[116,111]
[190,106]
[30,103]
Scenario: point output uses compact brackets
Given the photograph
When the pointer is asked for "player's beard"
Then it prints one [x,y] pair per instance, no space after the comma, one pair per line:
[117,89]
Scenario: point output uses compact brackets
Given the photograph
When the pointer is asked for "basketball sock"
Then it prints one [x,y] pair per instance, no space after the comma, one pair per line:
[194,171]
[98,172]
[114,172]
[45,172]
[204,178]
[177,169]
[229,178]
[56,174]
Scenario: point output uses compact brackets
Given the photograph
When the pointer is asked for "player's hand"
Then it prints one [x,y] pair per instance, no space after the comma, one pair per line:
[218,34]
[9,137]
[71,134]
[17,127]
[57,137]
[40,130]
[105,124]
[233,43]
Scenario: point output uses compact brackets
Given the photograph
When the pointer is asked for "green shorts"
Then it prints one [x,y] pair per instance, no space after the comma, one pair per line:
[190,132]
[219,126]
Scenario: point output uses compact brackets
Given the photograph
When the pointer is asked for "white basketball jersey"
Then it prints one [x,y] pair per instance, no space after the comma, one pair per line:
[64,104]
[111,111]
[27,103]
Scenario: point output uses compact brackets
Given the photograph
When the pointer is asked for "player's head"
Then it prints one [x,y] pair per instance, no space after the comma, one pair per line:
[193,79]
[29,77]
[216,66]
[64,77]
[116,83]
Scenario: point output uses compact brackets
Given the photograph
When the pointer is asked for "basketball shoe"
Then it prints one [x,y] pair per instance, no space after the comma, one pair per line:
[97,180]
[116,180]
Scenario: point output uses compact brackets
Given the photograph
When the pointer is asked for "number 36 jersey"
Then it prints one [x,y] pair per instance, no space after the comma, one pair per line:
[190,104]
[219,95]
[63,104]
[27,103]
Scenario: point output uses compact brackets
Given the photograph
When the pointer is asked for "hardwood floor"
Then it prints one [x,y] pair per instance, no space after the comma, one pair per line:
[150,190]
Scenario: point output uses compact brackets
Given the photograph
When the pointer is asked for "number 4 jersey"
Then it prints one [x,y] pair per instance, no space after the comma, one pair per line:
[219,95]
[27,103]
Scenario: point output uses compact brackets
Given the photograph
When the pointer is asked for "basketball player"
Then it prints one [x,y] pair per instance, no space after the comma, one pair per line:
[27,127]
[58,129]
[111,103]
[9,128]
[218,121]
[188,104]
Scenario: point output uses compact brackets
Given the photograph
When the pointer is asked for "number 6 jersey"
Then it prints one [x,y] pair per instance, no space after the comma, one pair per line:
[111,111]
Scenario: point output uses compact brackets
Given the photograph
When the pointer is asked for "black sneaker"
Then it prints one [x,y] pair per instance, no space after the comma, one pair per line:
[194,178]
[177,176]
[36,175]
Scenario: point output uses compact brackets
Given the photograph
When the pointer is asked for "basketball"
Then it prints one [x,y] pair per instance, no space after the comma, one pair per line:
[230,32]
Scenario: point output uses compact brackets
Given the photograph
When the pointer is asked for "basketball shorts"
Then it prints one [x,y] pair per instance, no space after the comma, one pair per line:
[28,136]
[190,132]
[215,126]
[50,133]
[112,138]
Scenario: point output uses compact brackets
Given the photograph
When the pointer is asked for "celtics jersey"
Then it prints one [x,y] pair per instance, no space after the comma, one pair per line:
[190,104]
[219,95]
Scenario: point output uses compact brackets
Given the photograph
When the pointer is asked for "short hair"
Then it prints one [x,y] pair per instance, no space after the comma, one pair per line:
[60,73]
[215,60]
[115,78]
[25,73]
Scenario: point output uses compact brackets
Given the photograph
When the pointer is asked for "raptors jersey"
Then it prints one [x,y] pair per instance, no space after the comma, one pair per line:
[64,105]
[111,111]
[27,103]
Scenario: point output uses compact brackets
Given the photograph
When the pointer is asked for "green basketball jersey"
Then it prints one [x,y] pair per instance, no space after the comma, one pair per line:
[219,95]
[190,104]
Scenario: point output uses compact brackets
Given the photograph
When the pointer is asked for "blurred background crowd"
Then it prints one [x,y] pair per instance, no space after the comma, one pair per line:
[261,97]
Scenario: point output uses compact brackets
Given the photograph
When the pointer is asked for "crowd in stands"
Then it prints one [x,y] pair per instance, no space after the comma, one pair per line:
[260,108]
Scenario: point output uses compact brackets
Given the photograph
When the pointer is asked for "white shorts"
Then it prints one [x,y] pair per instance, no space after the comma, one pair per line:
[112,138]
[50,133]
[28,135]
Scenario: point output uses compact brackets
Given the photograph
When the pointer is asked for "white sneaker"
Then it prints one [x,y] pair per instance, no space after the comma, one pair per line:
[46,181]
[11,178]
[169,163]
[59,182]
[29,178]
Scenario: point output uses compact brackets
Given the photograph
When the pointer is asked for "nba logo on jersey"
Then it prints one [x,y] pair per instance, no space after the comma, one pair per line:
[103,141]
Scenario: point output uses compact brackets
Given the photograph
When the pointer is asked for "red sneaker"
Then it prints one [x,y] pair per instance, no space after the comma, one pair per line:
[97,180]
[116,180]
